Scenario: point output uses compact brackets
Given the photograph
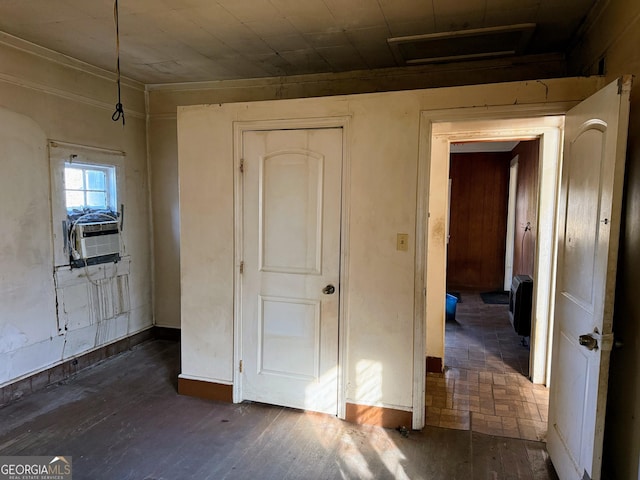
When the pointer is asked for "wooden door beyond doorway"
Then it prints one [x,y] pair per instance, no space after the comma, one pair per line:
[478,225]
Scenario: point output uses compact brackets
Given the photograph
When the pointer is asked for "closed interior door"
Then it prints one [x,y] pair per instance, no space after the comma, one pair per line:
[478,226]
[291,252]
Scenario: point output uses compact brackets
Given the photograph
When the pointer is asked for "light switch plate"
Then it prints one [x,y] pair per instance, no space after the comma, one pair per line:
[403,242]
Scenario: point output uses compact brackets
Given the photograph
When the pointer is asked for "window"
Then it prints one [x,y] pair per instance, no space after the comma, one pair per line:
[89,187]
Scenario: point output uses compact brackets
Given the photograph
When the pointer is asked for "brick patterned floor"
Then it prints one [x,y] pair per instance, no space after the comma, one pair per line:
[485,387]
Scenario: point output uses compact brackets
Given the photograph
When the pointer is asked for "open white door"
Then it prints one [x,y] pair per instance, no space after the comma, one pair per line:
[291,248]
[588,233]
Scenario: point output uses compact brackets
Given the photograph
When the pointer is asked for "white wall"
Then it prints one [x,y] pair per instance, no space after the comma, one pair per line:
[163,152]
[26,281]
[45,96]
[384,150]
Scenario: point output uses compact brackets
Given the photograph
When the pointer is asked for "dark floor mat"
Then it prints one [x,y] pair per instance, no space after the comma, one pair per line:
[495,298]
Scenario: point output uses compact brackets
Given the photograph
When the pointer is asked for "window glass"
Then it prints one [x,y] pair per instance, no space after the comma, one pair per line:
[75,199]
[73,178]
[96,180]
[89,186]
[96,199]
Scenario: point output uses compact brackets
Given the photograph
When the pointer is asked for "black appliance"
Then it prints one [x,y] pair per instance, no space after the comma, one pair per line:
[520,304]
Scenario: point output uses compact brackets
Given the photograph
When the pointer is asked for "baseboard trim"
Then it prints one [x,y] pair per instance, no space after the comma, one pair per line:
[207,390]
[378,416]
[67,368]
[167,333]
[434,365]
[70,367]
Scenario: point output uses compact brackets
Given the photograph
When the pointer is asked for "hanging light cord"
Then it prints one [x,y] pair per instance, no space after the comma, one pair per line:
[119,113]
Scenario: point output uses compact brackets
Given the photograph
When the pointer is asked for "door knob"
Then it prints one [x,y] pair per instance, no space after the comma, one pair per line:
[588,341]
[329,289]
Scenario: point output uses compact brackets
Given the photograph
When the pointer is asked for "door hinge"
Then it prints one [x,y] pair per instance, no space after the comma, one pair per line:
[240,366]
[241,267]
[624,84]
[242,165]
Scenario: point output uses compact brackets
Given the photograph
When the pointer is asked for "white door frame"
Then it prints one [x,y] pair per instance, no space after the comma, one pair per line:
[291,124]
[439,128]
[511,223]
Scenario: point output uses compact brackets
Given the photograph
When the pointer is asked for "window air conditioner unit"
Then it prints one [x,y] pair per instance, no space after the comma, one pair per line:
[96,239]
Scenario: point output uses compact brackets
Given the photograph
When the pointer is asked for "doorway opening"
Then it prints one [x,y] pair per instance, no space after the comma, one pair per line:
[481,350]
[491,240]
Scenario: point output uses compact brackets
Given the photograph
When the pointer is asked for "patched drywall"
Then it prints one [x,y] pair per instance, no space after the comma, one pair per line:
[26,278]
[46,96]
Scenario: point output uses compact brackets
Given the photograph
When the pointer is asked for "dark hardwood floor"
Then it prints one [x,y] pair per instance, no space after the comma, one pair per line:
[123,419]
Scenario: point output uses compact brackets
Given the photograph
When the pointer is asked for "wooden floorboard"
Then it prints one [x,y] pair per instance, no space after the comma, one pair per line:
[515,456]
[485,457]
[540,462]
[123,419]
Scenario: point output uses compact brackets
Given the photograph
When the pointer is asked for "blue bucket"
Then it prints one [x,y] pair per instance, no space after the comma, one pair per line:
[452,302]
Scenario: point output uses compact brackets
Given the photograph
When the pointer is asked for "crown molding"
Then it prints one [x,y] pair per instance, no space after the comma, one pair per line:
[47,89]
[61,59]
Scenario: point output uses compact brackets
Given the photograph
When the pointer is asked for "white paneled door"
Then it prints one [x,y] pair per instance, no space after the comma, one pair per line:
[588,233]
[291,193]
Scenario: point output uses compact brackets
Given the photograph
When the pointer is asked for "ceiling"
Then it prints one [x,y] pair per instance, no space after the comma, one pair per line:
[200,40]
